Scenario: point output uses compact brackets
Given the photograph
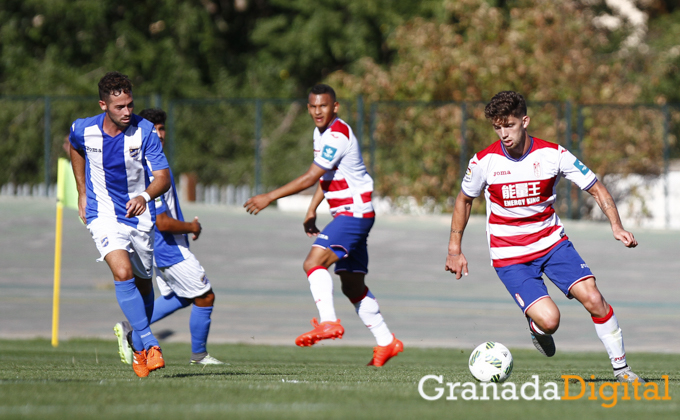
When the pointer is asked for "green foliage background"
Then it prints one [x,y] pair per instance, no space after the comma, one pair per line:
[431,50]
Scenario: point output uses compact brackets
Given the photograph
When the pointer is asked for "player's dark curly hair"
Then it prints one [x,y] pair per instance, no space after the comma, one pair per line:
[321,89]
[505,104]
[114,83]
[155,115]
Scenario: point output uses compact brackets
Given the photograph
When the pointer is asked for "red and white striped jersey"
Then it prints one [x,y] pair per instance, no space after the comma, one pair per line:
[346,184]
[521,222]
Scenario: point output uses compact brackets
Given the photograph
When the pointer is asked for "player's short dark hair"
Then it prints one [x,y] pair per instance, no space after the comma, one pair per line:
[114,83]
[321,89]
[155,115]
[505,104]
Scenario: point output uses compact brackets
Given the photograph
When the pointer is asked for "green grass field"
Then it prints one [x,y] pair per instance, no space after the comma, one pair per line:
[85,379]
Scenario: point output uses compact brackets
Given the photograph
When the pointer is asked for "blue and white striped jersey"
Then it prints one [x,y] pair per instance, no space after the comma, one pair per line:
[170,248]
[115,167]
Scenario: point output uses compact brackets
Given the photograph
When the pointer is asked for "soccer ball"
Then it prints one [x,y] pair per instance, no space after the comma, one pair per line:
[491,362]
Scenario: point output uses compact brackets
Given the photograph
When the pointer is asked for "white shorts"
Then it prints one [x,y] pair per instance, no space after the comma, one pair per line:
[112,235]
[186,279]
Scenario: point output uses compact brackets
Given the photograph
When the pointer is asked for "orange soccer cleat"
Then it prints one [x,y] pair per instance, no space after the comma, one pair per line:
[139,364]
[154,359]
[381,354]
[323,331]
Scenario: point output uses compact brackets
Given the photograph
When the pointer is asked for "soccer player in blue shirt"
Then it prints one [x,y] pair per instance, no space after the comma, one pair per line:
[180,277]
[111,154]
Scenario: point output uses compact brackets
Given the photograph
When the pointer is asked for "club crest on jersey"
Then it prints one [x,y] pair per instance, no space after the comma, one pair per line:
[537,169]
[134,152]
[581,167]
[328,152]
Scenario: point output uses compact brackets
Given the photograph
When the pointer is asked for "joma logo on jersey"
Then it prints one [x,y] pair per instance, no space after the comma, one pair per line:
[92,149]
[521,194]
[499,173]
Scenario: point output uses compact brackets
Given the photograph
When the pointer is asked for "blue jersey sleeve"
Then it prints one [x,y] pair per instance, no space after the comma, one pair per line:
[154,152]
[74,137]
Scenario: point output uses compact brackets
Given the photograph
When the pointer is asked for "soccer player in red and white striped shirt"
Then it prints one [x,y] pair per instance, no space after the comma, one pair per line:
[343,181]
[518,175]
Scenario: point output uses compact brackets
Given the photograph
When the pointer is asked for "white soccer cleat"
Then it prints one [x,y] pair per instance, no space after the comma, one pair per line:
[122,329]
[207,360]
[627,375]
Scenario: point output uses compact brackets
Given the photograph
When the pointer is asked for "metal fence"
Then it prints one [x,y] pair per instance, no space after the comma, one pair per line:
[412,148]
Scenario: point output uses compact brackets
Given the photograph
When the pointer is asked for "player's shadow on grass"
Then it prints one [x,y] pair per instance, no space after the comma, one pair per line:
[208,373]
[163,334]
[657,380]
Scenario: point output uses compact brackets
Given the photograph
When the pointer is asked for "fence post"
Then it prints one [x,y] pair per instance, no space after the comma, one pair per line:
[360,119]
[579,156]
[666,158]
[371,136]
[156,100]
[48,142]
[258,138]
[170,142]
[463,140]
[567,145]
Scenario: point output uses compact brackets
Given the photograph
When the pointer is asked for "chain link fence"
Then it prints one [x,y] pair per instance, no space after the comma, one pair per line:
[417,152]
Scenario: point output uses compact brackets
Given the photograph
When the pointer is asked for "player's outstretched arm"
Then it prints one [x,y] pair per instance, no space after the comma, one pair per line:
[310,218]
[78,165]
[456,262]
[165,223]
[159,185]
[256,204]
[606,202]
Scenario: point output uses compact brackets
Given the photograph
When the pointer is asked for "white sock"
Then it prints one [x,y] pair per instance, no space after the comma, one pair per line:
[610,334]
[321,285]
[535,328]
[369,311]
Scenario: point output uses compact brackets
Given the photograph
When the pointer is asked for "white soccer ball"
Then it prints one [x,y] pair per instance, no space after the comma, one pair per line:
[491,362]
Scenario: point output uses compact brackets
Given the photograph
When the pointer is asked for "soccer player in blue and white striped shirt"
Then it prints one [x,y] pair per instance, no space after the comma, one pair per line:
[110,154]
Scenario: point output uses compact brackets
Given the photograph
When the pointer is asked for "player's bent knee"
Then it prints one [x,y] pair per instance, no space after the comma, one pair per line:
[205,301]
[311,263]
[551,326]
[597,306]
[353,292]
[121,274]
[549,323]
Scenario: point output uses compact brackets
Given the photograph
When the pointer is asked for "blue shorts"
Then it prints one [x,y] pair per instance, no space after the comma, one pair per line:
[563,266]
[346,236]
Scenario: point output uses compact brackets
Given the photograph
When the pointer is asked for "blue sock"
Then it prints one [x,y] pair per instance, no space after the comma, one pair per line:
[137,343]
[165,305]
[132,305]
[148,305]
[199,325]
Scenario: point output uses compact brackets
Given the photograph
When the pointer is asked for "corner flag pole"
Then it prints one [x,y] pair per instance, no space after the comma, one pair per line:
[67,196]
[57,275]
